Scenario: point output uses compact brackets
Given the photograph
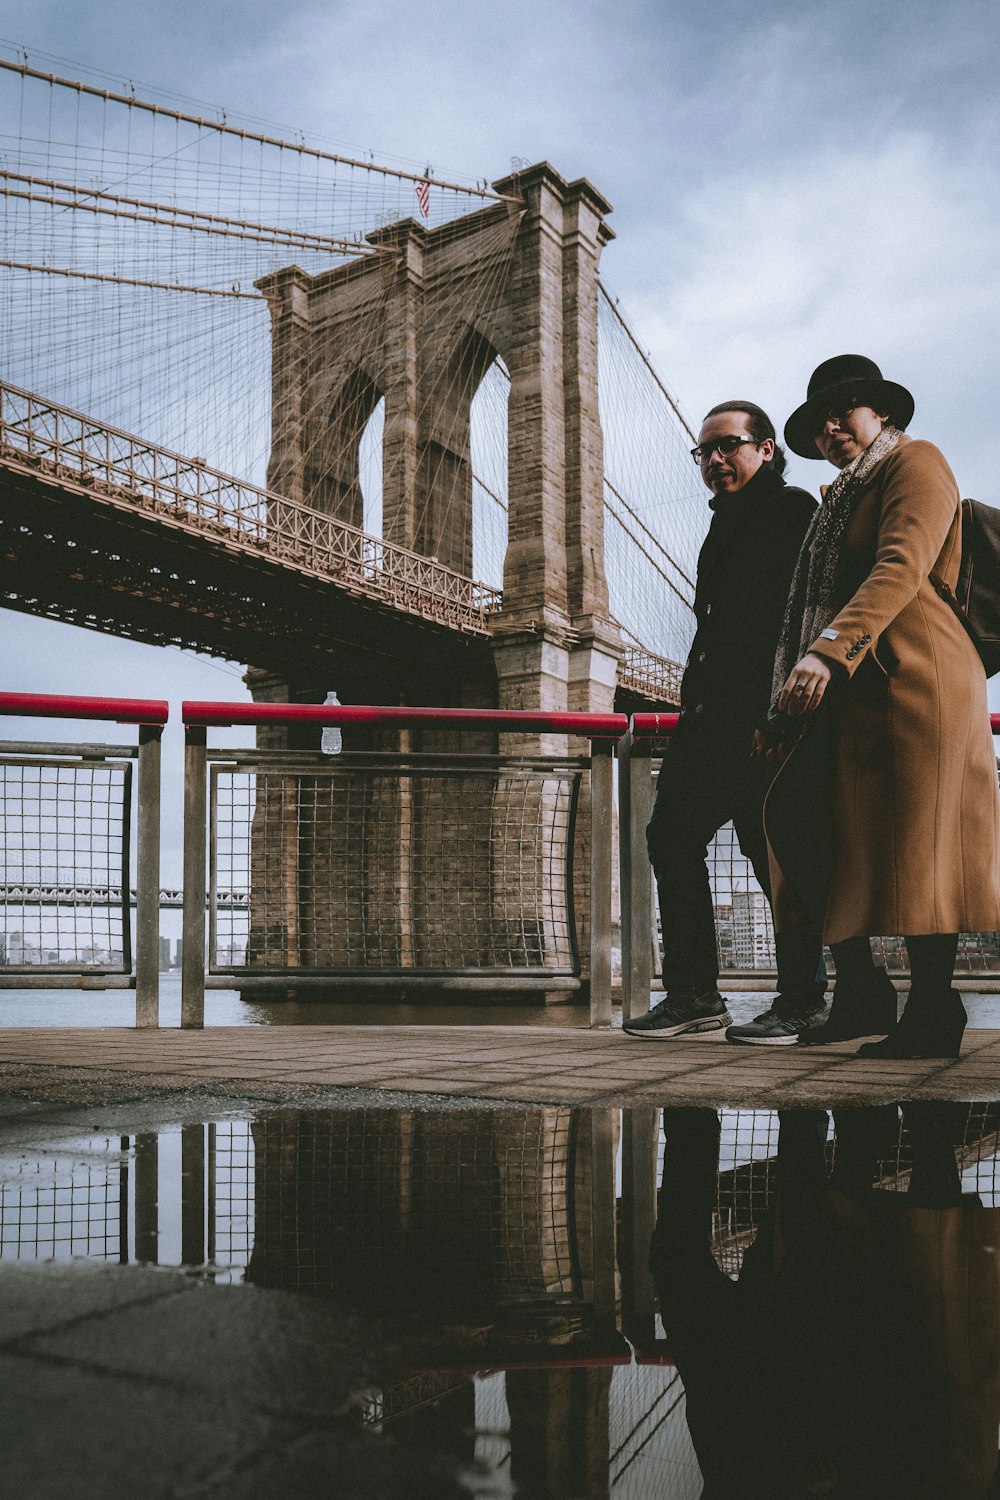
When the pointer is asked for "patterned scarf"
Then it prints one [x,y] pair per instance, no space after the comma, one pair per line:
[813,600]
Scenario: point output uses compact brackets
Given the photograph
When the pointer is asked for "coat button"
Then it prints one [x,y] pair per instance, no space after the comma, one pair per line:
[708,609]
[697,708]
[701,656]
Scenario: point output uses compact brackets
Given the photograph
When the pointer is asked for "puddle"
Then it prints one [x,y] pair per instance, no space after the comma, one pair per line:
[488,1303]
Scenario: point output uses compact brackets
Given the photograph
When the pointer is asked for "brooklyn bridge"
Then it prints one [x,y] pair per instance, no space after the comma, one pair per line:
[355,427]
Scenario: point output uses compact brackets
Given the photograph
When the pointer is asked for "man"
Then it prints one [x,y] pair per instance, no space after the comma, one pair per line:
[710,774]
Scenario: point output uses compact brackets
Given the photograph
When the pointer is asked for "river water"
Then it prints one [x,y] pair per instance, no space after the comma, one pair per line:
[226,1008]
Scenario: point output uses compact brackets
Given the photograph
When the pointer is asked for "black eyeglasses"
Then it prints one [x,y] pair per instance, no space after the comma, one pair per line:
[836,413]
[724,445]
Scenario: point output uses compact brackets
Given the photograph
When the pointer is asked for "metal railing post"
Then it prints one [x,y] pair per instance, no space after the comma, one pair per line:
[635,801]
[193,930]
[193,1195]
[147,895]
[147,1199]
[638,1219]
[601,855]
[602,1208]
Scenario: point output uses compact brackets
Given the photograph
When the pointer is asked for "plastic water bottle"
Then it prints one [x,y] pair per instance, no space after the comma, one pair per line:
[332,741]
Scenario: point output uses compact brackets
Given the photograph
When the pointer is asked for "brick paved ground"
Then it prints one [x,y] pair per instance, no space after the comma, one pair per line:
[545,1066]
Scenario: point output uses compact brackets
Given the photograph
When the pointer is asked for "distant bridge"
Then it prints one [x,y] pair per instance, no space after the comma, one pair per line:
[28,893]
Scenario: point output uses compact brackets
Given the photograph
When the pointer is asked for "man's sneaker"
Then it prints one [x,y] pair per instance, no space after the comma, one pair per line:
[780,1026]
[681,1015]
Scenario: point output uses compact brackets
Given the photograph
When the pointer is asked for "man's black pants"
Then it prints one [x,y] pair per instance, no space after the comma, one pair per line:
[710,778]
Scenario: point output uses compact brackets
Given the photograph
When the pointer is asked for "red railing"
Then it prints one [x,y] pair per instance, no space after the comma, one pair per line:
[649,726]
[61,706]
[500,720]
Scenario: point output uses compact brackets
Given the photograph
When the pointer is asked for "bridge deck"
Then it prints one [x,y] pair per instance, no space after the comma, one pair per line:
[104,530]
[66,556]
[550,1065]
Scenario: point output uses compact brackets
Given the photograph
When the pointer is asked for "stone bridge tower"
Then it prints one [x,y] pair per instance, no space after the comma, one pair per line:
[419,324]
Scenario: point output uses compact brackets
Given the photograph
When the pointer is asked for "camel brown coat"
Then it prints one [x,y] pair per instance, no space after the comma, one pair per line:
[915,810]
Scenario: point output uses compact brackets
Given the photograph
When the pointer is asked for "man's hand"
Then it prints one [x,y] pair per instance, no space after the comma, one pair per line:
[768,747]
[807,682]
[765,746]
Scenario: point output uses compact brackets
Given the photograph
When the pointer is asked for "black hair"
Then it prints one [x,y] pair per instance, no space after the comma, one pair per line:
[760,427]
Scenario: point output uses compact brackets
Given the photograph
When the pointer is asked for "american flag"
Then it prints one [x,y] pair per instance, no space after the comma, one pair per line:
[424,196]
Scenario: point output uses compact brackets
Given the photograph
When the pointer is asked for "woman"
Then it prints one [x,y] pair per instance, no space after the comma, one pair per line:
[913,801]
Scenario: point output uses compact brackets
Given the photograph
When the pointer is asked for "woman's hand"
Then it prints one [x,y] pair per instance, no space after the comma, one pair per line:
[807,682]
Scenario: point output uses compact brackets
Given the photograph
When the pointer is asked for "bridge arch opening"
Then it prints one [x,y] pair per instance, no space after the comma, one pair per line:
[442,517]
[489,430]
[331,471]
[370,470]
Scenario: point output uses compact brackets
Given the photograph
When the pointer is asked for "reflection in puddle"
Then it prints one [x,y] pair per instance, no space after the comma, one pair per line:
[813,1290]
[176,1196]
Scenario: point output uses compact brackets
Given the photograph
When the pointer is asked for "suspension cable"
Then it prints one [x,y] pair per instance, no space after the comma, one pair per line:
[224,128]
[159,286]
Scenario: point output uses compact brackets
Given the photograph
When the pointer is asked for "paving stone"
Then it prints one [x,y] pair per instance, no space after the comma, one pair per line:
[109,1436]
[125,1381]
[39,1298]
[526,1064]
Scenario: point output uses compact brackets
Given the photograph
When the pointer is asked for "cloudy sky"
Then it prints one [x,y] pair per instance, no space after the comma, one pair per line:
[790,181]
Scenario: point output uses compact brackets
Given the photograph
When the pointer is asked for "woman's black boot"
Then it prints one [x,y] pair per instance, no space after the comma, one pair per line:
[932,1025]
[864,1004]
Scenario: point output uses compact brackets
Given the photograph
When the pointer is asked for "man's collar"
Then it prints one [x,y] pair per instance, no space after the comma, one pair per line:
[764,480]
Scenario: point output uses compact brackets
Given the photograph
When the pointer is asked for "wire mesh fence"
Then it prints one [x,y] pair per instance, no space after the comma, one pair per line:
[121,1200]
[230,1197]
[385,864]
[64,863]
[493,1203]
[446,1210]
[485,1209]
[59,1206]
[651,1453]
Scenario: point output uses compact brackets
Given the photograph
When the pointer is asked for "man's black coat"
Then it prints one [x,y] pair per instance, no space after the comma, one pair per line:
[744,576]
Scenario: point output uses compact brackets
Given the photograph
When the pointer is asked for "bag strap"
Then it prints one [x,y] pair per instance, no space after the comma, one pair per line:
[948,596]
[944,589]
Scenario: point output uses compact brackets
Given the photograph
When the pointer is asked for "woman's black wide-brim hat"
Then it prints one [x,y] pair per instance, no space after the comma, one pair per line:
[843,378]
